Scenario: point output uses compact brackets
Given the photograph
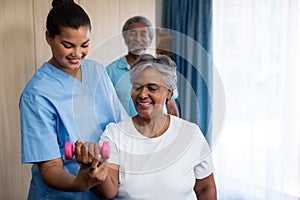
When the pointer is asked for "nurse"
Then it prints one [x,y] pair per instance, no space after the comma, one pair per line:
[68,98]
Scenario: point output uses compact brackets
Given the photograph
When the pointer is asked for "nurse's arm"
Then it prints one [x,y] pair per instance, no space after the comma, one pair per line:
[56,177]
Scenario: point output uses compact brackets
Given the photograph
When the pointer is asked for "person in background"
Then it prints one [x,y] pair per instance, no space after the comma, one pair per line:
[138,35]
[153,155]
[69,97]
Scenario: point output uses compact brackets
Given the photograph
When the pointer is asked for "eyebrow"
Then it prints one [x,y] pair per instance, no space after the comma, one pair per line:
[147,84]
[65,41]
[138,30]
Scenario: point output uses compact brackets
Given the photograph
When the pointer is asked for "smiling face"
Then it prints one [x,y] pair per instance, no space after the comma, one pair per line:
[149,93]
[69,48]
[137,38]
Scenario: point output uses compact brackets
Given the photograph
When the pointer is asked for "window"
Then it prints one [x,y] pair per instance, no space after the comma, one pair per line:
[256,52]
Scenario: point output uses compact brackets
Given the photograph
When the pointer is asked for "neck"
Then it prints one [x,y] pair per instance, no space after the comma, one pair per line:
[76,73]
[151,127]
[131,58]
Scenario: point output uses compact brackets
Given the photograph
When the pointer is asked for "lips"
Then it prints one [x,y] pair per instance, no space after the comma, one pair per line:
[137,45]
[144,104]
[74,60]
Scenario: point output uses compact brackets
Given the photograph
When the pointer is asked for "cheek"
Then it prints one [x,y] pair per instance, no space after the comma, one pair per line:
[60,52]
[128,40]
[85,51]
[163,97]
[133,94]
[147,40]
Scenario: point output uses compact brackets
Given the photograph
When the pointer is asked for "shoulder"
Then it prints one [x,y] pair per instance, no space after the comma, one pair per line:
[116,128]
[40,81]
[123,125]
[94,71]
[38,92]
[184,123]
[117,69]
[118,64]
[92,64]
[187,128]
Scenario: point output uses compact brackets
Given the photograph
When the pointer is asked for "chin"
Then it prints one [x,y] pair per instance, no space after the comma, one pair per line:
[138,52]
[144,114]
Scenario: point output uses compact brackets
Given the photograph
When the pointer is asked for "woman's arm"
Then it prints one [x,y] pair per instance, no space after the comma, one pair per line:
[110,186]
[205,188]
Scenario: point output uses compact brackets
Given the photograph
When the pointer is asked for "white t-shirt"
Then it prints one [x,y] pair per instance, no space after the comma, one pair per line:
[165,167]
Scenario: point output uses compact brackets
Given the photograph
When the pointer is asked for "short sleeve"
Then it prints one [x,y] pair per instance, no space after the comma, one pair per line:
[38,131]
[205,166]
[108,136]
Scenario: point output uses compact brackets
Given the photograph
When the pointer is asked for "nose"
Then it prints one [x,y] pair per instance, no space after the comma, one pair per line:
[138,37]
[77,52]
[143,93]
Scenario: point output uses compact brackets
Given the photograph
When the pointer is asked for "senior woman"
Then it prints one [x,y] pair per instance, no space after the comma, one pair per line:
[153,155]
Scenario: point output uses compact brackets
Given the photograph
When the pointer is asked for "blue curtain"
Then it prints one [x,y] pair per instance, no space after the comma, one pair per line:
[190,24]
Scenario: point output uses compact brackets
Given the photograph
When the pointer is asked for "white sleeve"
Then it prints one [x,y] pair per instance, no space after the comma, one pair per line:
[205,166]
[109,136]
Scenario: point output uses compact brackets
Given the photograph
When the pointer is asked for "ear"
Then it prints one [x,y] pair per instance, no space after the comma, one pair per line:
[125,37]
[170,93]
[48,37]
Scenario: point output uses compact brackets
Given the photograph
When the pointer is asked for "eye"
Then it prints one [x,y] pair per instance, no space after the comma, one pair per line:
[67,46]
[132,33]
[143,34]
[153,87]
[85,45]
[136,86]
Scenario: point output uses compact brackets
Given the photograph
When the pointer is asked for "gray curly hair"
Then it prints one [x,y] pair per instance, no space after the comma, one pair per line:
[163,64]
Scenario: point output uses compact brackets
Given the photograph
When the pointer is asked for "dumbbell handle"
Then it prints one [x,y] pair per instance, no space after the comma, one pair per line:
[70,150]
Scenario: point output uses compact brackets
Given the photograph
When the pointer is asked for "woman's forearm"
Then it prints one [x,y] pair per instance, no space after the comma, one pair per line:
[110,186]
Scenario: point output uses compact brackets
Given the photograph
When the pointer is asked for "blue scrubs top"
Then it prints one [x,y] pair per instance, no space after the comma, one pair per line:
[118,72]
[56,108]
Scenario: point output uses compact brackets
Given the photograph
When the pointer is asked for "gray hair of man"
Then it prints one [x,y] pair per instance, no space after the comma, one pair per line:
[163,64]
[137,19]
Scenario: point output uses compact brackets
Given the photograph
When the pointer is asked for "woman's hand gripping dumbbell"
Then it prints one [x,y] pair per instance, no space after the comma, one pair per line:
[104,150]
[94,168]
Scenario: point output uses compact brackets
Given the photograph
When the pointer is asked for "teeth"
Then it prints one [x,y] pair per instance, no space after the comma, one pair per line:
[144,104]
[74,61]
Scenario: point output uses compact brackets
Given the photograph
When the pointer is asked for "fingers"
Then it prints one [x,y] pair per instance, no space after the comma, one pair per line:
[96,163]
[89,176]
[94,151]
[98,170]
[87,152]
[78,152]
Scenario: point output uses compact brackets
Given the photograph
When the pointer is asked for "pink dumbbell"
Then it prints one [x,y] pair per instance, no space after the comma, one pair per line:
[70,150]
